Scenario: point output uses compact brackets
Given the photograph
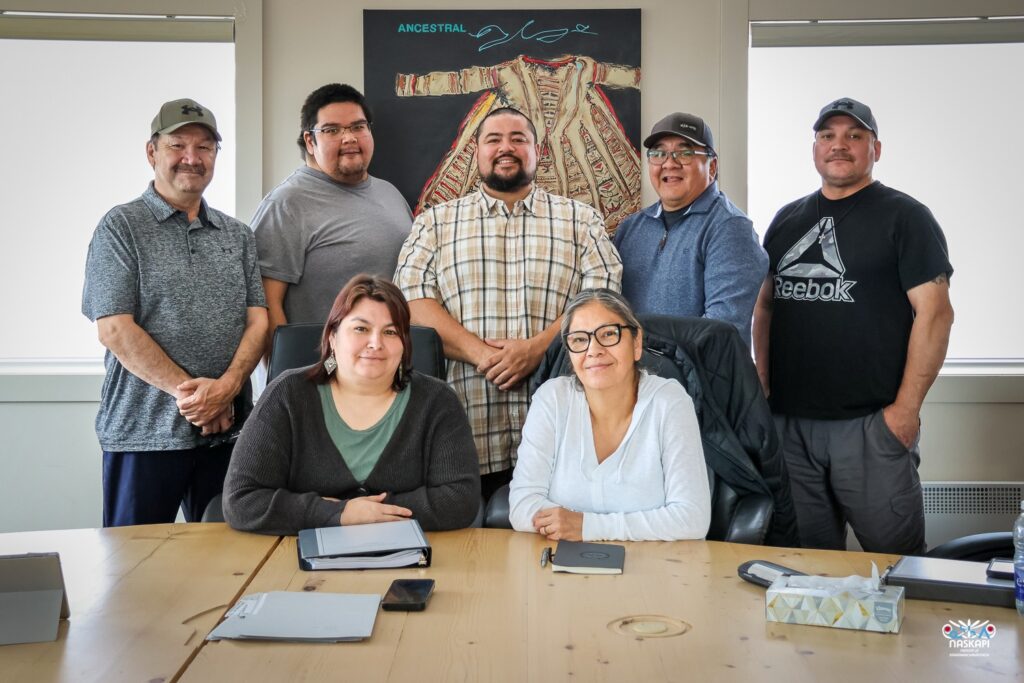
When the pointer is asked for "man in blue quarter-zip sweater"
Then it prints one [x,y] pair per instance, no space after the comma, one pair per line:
[692,253]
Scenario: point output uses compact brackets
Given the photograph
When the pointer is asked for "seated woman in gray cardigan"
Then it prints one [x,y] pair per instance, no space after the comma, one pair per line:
[357,438]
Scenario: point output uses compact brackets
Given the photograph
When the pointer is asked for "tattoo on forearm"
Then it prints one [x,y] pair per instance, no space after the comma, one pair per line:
[941,279]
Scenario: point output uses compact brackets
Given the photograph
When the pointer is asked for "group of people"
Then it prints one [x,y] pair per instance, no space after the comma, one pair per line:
[846,347]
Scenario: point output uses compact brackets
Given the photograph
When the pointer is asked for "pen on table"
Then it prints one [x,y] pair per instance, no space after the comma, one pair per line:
[545,557]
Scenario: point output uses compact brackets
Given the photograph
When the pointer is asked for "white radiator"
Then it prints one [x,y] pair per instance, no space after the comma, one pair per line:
[958,508]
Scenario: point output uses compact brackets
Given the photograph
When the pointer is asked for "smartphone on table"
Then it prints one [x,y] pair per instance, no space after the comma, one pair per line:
[1000,568]
[408,595]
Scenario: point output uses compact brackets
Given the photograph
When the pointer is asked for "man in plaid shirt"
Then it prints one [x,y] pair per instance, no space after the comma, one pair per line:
[492,272]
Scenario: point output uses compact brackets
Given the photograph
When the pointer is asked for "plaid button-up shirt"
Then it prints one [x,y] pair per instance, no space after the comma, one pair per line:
[504,275]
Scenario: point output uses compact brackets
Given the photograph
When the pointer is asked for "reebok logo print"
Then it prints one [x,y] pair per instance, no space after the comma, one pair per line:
[812,269]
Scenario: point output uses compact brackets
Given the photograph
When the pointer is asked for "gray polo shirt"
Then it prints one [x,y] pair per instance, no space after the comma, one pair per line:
[316,233]
[188,286]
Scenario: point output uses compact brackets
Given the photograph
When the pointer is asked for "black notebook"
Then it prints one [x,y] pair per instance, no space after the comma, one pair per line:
[382,545]
[578,557]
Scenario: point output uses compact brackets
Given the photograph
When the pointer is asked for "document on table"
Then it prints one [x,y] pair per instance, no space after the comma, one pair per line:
[309,617]
[364,546]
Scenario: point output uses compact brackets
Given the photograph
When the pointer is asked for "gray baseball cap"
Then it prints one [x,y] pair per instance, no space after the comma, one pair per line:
[177,113]
[687,126]
[847,106]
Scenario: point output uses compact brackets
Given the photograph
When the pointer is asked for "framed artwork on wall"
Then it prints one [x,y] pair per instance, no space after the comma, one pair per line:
[431,77]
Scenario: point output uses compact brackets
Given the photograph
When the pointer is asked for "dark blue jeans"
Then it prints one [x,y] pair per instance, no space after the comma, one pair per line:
[148,487]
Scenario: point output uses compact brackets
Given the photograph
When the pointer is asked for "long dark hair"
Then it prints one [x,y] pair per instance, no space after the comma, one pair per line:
[376,288]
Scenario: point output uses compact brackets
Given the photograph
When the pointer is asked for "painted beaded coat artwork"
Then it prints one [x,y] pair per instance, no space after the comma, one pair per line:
[575,74]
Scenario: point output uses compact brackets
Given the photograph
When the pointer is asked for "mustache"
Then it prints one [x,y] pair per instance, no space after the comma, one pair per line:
[841,157]
[190,168]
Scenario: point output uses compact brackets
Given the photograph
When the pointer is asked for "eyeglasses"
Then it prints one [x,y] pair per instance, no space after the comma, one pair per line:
[358,129]
[606,335]
[681,156]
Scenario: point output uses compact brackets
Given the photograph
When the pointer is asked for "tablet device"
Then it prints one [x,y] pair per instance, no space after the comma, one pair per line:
[32,598]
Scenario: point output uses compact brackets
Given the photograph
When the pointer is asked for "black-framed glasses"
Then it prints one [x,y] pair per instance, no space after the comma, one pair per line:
[358,129]
[684,157]
[578,341]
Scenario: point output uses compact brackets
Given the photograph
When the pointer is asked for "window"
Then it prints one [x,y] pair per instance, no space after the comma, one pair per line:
[947,122]
[73,135]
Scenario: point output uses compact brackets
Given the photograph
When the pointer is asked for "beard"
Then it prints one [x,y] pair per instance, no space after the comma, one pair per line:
[511,183]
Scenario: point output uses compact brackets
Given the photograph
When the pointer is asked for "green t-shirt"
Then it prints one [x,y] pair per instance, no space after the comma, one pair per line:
[361,449]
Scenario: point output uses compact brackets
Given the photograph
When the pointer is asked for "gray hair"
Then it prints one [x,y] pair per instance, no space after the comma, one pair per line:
[609,298]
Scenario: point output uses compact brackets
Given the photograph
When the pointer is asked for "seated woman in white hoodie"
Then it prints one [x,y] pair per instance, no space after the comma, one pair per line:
[611,453]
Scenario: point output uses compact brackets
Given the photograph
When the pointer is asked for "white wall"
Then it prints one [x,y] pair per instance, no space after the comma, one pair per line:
[49,458]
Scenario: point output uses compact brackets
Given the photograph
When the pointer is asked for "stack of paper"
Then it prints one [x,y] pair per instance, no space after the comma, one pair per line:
[309,617]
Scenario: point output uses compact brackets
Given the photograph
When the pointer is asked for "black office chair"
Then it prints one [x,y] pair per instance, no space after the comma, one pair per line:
[736,518]
[976,547]
[294,346]
[214,511]
[496,510]
[428,352]
[298,345]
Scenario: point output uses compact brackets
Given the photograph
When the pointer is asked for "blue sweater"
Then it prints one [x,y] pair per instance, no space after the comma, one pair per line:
[710,264]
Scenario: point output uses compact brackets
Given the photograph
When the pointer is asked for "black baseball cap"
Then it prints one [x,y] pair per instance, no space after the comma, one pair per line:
[687,126]
[847,106]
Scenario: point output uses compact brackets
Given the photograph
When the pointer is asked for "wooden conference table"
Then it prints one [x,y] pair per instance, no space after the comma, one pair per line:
[143,598]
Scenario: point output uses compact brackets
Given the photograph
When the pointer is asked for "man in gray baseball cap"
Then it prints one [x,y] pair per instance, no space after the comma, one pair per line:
[850,330]
[692,253]
[846,106]
[174,288]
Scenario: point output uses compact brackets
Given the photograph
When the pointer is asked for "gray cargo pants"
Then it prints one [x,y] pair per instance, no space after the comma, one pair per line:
[853,471]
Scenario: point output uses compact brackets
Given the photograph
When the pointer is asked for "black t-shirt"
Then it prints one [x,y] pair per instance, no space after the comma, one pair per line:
[841,318]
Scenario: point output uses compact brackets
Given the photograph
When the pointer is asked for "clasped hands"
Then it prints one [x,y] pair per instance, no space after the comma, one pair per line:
[207,403]
[559,524]
[510,362]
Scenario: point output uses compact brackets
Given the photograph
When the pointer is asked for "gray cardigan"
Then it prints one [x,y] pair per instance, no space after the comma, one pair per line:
[285,462]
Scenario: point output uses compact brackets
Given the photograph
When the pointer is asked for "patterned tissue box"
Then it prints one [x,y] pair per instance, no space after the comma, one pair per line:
[835,605]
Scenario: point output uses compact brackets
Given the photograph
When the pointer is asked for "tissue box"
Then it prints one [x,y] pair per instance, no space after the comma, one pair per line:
[863,610]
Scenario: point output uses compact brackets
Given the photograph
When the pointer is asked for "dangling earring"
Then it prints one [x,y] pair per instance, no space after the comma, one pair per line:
[330,365]
[400,374]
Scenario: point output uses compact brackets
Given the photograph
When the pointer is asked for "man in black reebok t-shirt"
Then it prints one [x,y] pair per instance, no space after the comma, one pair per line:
[850,330]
